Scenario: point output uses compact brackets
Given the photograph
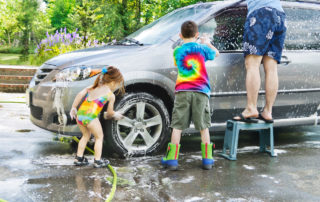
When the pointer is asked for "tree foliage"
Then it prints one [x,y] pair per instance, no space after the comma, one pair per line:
[27,14]
[8,22]
[26,22]
[58,12]
[86,14]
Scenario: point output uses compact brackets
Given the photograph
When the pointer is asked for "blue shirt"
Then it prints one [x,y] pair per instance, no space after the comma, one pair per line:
[256,4]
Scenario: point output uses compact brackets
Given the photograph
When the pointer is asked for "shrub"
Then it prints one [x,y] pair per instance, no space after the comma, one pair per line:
[59,43]
[13,50]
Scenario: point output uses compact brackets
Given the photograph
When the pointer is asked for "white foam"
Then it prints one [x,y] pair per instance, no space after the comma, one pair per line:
[313,142]
[93,194]
[249,167]
[195,198]
[165,180]
[263,176]
[187,180]
[236,200]
[196,157]
[11,185]
[279,151]
[247,149]
[189,160]
[56,160]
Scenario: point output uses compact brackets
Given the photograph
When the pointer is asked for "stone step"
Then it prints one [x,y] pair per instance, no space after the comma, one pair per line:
[14,70]
[14,79]
[13,88]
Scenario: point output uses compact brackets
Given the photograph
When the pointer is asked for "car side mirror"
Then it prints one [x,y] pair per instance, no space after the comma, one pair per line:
[179,42]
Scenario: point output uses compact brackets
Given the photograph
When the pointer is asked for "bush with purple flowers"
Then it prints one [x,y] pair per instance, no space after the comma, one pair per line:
[59,43]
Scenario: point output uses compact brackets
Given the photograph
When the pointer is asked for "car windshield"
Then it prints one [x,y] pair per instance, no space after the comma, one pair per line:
[168,25]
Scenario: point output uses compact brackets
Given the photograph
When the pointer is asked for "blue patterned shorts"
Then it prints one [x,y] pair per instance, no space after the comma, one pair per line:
[264,33]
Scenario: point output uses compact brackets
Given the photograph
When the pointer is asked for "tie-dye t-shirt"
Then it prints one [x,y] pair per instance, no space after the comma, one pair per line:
[190,59]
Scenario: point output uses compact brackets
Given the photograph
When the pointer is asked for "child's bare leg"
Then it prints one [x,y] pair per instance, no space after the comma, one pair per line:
[176,135]
[84,140]
[206,149]
[96,129]
[205,136]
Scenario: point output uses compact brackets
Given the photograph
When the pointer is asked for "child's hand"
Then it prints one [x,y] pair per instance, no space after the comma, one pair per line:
[117,116]
[205,38]
[73,113]
[106,115]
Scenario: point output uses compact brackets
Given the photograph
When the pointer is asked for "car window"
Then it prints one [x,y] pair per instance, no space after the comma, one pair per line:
[226,29]
[169,24]
[303,29]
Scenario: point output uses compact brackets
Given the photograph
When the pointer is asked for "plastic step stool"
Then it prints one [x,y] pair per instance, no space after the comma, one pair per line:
[231,137]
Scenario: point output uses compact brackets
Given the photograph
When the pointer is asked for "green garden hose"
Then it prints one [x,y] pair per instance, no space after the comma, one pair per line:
[114,183]
[12,102]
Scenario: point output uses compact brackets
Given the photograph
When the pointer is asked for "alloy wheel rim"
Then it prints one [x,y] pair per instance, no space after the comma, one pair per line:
[141,126]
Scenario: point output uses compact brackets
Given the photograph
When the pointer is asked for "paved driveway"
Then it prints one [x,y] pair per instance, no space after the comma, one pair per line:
[33,167]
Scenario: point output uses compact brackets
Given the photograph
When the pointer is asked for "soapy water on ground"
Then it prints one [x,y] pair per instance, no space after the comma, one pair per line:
[33,167]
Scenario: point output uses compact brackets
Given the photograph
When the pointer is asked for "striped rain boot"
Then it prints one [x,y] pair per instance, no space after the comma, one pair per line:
[207,160]
[171,159]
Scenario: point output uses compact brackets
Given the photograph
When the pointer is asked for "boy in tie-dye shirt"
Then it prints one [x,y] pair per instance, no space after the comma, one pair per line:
[192,94]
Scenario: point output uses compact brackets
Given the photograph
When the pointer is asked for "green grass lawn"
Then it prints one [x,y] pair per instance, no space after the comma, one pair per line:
[12,59]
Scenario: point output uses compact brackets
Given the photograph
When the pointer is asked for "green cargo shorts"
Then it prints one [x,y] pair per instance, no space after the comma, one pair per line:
[191,106]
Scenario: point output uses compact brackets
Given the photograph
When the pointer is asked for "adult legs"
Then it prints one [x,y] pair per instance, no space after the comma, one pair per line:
[253,82]
[272,84]
[84,140]
[96,129]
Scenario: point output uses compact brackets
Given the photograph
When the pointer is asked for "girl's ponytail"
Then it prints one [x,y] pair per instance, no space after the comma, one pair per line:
[108,75]
[96,82]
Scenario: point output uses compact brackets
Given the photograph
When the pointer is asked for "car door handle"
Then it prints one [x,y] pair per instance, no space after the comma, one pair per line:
[285,60]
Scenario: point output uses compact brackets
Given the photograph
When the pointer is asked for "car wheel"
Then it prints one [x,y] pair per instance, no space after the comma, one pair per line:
[144,129]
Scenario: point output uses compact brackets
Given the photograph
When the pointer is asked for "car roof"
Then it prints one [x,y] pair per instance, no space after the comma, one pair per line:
[220,3]
[300,4]
[304,1]
[311,4]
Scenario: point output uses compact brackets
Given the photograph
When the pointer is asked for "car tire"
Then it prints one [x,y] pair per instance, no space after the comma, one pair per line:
[144,130]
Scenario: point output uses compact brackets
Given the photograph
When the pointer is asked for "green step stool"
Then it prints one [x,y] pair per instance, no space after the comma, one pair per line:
[231,137]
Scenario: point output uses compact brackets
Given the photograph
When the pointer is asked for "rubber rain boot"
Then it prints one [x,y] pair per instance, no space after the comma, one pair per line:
[171,159]
[207,160]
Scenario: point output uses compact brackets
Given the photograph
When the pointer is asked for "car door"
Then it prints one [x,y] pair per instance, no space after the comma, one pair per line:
[299,71]
[227,72]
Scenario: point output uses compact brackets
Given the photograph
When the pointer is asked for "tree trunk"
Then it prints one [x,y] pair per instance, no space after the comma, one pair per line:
[123,12]
[138,12]
[9,40]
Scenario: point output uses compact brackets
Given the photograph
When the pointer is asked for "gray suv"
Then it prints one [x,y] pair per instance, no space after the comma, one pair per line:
[146,60]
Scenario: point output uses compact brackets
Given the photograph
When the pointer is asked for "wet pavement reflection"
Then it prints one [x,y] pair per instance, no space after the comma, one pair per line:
[33,167]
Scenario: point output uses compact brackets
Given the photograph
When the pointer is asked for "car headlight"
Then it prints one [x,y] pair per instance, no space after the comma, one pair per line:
[77,73]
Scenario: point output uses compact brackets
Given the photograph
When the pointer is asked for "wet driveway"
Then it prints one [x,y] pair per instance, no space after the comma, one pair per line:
[33,167]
